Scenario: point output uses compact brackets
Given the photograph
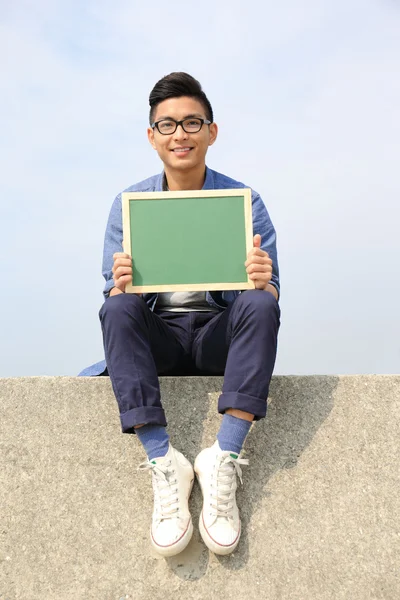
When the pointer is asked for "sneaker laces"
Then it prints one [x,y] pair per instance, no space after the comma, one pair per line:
[223,493]
[165,486]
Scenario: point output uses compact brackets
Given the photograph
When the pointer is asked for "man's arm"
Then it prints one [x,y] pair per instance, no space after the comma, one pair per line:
[112,244]
[272,289]
[259,267]
[115,291]
[117,266]
[262,225]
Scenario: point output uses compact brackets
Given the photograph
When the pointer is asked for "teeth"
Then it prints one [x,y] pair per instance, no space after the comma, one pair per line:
[181,149]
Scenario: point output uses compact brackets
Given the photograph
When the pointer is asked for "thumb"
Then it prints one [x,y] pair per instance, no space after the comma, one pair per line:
[257,241]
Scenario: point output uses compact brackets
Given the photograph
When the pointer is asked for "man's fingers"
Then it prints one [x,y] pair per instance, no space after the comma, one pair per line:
[255,270]
[262,277]
[259,274]
[259,260]
[121,262]
[121,271]
[262,267]
[125,279]
[257,240]
[257,252]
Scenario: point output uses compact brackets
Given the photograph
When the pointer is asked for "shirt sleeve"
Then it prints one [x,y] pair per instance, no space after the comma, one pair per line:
[262,224]
[112,243]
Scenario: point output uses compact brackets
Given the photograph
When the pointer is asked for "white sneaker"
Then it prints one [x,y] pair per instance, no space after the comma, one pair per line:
[219,522]
[172,526]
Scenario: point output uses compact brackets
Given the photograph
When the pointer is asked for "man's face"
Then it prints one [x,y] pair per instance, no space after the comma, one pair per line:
[180,150]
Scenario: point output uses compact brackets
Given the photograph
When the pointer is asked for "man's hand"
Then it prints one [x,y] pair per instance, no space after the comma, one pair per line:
[259,266]
[122,271]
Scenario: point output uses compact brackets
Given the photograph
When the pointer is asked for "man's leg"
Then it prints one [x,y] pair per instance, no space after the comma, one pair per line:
[241,342]
[138,345]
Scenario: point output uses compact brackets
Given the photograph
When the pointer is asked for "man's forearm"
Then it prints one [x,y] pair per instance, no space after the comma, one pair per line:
[115,291]
[271,288]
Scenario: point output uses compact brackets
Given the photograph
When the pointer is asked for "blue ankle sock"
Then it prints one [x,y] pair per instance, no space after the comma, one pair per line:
[155,440]
[232,433]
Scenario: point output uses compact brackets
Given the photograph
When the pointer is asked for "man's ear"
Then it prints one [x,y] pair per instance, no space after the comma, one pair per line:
[213,133]
[150,136]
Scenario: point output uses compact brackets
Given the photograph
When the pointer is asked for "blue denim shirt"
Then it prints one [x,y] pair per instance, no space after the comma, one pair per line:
[213,181]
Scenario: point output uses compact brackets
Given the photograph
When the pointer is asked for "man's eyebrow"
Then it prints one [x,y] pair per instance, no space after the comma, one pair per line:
[167,117]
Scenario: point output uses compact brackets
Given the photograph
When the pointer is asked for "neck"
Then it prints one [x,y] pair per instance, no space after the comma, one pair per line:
[186,180]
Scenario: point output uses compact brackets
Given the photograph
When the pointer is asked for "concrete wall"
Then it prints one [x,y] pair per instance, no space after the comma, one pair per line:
[320,501]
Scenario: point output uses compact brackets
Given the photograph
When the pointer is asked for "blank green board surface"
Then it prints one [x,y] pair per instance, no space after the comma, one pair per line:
[188,240]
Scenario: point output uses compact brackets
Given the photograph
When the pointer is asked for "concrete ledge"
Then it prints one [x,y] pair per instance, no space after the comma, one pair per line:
[320,501]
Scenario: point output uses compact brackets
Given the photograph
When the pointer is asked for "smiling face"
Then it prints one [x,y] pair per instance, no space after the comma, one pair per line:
[181,151]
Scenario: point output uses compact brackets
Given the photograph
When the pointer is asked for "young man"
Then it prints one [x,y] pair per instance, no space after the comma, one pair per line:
[230,333]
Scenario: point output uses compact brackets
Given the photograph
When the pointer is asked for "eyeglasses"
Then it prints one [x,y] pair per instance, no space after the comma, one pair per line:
[190,125]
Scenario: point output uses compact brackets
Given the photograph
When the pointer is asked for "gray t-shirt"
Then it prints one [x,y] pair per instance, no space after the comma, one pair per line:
[183,302]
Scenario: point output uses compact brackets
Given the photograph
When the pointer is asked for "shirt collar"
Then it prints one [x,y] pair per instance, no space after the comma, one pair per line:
[158,186]
[209,180]
[161,182]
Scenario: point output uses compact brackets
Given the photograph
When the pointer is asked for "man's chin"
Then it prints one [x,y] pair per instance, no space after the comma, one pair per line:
[181,165]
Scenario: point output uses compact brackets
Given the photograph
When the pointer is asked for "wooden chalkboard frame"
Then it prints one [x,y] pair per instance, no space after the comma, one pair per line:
[245,193]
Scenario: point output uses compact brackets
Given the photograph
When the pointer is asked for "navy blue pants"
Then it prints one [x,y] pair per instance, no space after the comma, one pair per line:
[239,343]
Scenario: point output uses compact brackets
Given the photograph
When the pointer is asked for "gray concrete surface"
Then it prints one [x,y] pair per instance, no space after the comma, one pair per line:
[320,501]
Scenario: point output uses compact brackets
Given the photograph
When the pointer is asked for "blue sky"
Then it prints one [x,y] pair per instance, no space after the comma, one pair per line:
[306,96]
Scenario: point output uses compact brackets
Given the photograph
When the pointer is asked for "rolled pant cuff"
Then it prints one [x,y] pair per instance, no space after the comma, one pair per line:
[251,404]
[149,415]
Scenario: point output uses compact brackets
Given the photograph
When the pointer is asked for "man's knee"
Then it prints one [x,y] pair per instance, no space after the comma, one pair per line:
[121,305]
[258,302]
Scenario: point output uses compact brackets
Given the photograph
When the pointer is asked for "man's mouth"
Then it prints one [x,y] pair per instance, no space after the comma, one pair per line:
[179,150]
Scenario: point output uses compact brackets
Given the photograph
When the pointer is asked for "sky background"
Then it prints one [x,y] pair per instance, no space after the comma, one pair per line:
[307,99]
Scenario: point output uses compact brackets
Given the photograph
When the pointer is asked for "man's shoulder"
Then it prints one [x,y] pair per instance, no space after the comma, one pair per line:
[214,180]
[221,181]
[151,184]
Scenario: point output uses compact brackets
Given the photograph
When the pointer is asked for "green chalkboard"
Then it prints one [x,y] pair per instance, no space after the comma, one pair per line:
[188,240]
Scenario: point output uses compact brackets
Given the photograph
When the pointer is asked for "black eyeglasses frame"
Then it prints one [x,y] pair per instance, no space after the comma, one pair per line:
[177,123]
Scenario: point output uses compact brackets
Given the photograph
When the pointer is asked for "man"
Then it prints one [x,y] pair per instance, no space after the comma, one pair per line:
[230,333]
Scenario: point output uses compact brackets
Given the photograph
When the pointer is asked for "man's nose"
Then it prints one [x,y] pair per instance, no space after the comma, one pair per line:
[180,133]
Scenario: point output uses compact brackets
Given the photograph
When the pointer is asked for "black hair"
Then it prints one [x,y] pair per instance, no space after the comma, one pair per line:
[176,85]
